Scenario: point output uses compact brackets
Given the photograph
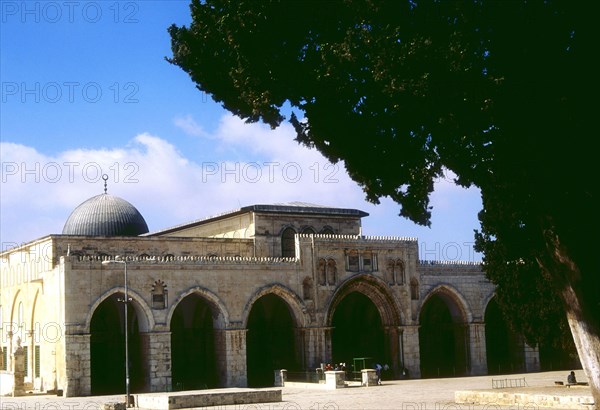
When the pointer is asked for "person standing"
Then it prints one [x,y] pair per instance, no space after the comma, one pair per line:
[378,369]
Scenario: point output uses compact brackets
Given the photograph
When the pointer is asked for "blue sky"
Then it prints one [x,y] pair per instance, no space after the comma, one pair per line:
[86,91]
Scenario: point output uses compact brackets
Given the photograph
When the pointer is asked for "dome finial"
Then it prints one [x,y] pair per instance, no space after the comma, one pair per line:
[105,178]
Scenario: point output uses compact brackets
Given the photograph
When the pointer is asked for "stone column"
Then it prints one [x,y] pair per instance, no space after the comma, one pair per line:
[392,349]
[18,360]
[231,357]
[156,356]
[411,350]
[477,351]
[327,345]
[77,365]
[317,346]
[532,358]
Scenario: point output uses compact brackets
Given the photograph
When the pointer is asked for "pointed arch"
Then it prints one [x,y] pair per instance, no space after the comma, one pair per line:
[364,317]
[459,307]
[219,309]
[195,321]
[376,290]
[273,339]
[294,302]
[141,308]
[106,323]
[505,350]
[444,334]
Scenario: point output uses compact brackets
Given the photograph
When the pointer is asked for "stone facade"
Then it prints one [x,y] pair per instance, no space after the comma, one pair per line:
[226,300]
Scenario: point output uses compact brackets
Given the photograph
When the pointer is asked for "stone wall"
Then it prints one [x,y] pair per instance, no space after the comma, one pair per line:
[69,283]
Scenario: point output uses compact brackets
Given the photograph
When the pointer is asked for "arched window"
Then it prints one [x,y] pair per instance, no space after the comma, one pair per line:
[288,243]
[414,289]
[322,272]
[307,288]
[328,230]
[331,272]
[389,271]
[399,272]
[308,231]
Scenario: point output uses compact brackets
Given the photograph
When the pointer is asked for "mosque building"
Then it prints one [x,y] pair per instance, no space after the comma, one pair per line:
[224,301]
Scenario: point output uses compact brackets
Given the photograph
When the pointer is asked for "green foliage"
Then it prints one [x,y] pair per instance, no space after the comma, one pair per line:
[497,92]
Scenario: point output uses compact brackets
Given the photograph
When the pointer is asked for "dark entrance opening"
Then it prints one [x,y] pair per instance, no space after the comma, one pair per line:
[270,340]
[504,348]
[107,348]
[357,330]
[559,355]
[442,339]
[193,345]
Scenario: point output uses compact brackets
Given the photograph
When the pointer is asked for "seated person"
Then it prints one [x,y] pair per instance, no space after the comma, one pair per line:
[571,378]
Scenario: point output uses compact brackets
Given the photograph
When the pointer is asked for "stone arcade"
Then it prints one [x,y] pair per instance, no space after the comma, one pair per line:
[226,300]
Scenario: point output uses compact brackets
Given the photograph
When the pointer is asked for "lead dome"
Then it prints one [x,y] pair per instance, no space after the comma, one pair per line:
[105,215]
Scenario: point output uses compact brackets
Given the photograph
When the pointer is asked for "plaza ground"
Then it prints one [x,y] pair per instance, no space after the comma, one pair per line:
[418,394]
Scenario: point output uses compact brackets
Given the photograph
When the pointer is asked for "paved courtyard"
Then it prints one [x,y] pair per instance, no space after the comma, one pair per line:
[422,394]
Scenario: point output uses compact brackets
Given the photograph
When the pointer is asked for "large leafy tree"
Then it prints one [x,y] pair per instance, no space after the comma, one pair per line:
[497,92]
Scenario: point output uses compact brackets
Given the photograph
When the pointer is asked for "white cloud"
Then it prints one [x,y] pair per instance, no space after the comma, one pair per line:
[190,126]
[166,186]
[254,164]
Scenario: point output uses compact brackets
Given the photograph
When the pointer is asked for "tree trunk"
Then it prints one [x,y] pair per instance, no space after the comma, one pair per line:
[588,348]
[580,307]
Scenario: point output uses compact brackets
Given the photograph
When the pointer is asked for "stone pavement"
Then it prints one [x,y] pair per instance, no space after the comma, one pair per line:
[419,394]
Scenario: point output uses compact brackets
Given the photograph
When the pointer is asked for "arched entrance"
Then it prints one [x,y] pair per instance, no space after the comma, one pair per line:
[443,338]
[107,348]
[270,340]
[357,330]
[365,321]
[504,348]
[193,355]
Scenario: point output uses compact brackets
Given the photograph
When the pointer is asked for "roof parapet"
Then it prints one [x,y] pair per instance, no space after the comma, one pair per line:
[218,260]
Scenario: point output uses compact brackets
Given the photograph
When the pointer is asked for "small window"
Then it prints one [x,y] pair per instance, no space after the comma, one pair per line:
[159,295]
[308,231]
[37,361]
[414,289]
[322,272]
[399,272]
[26,356]
[327,230]
[307,288]
[331,272]
[4,358]
[288,243]
[352,261]
[369,262]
